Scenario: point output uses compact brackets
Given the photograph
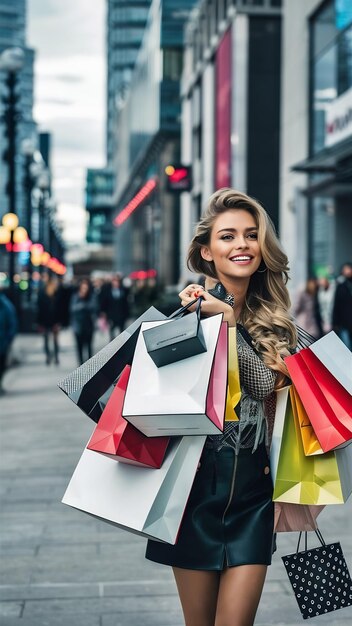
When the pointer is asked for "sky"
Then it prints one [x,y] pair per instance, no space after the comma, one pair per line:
[69,96]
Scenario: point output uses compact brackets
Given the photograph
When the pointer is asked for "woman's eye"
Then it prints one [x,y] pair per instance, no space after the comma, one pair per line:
[253,236]
[226,237]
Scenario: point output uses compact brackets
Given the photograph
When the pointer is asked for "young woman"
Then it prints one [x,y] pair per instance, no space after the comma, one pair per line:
[226,538]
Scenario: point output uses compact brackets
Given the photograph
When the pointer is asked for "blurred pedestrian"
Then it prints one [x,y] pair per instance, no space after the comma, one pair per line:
[8,330]
[65,291]
[326,294]
[83,310]
[48,316]
[140,297]
[115,305]
[342,309]
[307,310]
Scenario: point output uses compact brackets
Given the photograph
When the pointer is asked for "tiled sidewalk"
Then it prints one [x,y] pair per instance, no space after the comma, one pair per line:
[60,567]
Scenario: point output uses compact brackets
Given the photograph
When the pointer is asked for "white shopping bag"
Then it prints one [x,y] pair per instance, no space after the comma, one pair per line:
[183,398]
[336,357]
[148,502]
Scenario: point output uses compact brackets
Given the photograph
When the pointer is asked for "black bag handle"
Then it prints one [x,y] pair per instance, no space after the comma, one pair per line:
[184,308]
[318,534]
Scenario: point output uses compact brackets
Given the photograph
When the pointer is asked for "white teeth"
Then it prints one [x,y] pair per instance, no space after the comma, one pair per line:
[241,258]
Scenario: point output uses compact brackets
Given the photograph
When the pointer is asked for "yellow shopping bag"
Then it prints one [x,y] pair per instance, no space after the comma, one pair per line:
[233,378]
[310,441]
[300,479]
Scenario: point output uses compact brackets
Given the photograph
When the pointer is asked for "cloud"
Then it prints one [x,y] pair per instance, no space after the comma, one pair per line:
[74,219]
[56,101]
[70,93]
[67,78]
[66,27]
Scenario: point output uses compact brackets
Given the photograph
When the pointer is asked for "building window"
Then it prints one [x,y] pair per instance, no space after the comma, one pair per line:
[172,63]
[322,248]
[344,61]
[331,63]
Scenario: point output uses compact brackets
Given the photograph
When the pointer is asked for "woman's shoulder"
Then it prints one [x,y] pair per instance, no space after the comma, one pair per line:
[244,334]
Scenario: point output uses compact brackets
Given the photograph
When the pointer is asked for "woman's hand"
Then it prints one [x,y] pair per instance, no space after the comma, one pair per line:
[210,304]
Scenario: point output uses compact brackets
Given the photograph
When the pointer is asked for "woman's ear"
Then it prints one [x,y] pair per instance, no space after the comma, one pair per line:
[205,254]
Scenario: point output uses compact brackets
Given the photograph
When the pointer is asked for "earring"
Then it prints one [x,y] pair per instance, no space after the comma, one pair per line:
[262,271]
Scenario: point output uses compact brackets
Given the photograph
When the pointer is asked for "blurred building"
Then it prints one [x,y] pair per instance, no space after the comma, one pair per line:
[99,194]
[316,142]
[12,34]
[231,105]
[148,129]
[126,20]
[24,160]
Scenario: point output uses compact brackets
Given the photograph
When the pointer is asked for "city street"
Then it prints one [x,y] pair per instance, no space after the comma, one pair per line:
[61,567]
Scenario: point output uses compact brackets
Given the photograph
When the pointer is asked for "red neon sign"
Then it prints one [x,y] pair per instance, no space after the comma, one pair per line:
[142,274]
[179,174]
[136,201]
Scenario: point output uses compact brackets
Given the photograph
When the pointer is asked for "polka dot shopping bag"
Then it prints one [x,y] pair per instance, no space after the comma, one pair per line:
[319,577]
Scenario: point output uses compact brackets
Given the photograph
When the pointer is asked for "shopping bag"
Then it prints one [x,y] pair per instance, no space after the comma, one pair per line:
[184,398]
[120,440]
[90,385]
[179,339]
[233,378]
[149,502]
[336,357]
[291,517]
[310,441]
[329,429]
[320,479]
[319,577]
[335,394]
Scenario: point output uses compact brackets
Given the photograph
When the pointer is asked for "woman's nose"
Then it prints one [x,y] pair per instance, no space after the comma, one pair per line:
[240,242]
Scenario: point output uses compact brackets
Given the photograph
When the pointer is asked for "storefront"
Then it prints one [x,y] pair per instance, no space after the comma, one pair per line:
[329,165]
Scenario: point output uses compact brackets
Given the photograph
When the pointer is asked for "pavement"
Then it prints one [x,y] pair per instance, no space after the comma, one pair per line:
[60,567]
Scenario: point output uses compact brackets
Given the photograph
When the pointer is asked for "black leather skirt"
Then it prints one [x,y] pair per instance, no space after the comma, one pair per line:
[229,517]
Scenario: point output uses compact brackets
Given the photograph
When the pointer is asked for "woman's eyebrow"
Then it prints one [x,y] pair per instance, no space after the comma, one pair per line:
[234,230]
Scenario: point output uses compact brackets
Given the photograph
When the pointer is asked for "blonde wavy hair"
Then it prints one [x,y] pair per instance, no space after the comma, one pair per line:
[266,309]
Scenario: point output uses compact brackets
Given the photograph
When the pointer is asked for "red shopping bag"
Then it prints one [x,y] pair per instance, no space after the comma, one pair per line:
[330,431]
[118,439]
[336,395]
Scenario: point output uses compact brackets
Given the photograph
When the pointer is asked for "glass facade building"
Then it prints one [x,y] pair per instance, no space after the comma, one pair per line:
[231,106]
[99,192]
[126,20]
[331,63]
[148,129]
[12,34]
[329,164]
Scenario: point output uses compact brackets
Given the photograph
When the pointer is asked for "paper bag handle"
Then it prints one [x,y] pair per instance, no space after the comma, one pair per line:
[184,308]
[318,534]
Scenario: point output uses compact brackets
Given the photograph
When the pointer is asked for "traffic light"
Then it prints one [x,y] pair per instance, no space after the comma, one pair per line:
[179,178]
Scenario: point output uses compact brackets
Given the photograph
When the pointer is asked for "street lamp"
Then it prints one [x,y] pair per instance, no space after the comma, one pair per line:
[11,61]
[28,151]
[11,234]
[43,184]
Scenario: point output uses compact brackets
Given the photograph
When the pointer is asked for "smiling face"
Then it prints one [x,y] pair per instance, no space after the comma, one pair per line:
[233,246]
